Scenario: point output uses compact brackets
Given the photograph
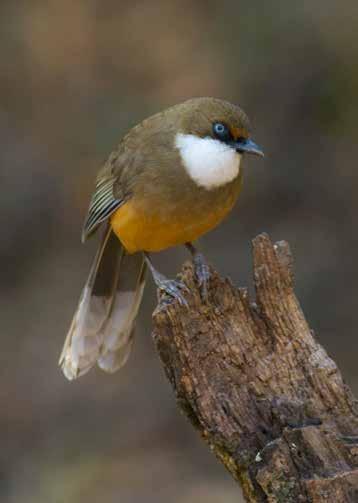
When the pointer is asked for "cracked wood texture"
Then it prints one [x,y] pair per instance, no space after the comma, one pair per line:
[261,390]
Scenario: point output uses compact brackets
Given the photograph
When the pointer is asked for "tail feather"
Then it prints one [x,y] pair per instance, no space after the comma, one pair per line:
[115,349]
[102,327]
[113,360]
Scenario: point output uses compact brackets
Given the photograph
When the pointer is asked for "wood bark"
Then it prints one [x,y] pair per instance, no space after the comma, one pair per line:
[263,393]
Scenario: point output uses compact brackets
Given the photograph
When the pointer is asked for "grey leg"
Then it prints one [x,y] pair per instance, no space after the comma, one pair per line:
[170,286]
[202,270]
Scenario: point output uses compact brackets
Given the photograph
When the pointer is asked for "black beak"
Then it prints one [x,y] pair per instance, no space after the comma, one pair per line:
[246,145]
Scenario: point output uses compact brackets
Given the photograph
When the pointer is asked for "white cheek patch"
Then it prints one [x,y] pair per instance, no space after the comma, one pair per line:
[210,163]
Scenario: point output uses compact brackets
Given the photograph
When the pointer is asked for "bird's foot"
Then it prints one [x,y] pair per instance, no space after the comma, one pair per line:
[202,270]
[172,287]
[202,273]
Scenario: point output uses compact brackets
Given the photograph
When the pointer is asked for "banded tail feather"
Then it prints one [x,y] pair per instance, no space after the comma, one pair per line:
[102,328]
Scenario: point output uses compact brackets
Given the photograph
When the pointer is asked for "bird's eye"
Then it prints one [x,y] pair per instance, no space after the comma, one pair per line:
[221,131]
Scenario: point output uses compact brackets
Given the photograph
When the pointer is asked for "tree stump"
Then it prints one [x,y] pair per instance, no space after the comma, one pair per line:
[254,381]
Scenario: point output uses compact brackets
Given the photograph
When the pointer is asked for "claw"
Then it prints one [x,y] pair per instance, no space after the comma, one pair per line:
[202,270]
[173,288]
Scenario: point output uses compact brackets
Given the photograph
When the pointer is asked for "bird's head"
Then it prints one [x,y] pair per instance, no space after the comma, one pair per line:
[212,136]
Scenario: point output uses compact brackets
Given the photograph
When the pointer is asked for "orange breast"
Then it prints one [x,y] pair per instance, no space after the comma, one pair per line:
[140,231]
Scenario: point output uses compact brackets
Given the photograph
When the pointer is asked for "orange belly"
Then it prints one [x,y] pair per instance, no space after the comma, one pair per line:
[140,231]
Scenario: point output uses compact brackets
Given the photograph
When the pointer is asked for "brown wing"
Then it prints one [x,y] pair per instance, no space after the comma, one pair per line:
[124,168]
[110,191]
[102,205]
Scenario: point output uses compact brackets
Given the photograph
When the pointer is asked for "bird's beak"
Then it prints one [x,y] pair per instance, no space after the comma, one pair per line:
[247,145]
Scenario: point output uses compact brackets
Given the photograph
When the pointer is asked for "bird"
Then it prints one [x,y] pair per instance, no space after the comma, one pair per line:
[171,179]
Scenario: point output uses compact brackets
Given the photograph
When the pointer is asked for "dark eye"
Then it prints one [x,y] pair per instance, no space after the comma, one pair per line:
[221,131]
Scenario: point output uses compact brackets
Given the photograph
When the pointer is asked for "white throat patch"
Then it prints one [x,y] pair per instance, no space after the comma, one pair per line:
[210,163]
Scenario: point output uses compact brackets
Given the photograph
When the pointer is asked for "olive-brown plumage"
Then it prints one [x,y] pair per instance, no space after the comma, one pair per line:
[171,179]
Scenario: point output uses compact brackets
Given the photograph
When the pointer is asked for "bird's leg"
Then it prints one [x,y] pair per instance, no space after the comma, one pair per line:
[202,270]
[172,287]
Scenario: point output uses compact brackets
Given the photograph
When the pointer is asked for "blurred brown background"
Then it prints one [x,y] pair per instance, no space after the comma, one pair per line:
[74,77]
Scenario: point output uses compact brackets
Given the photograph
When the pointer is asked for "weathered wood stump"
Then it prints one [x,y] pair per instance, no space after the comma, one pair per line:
[262,392]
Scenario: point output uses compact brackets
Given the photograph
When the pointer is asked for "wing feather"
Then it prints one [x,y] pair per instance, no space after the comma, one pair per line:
[102,205]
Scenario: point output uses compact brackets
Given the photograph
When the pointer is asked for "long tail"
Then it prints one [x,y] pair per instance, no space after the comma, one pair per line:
[102,327]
